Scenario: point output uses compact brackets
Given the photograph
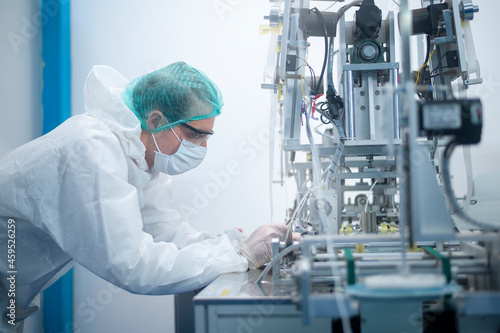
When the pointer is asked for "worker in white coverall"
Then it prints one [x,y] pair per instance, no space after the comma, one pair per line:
[94,191]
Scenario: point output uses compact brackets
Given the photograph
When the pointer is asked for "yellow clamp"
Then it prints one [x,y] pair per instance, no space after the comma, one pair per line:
[265,29]
[384,228]
[414,248]
[346,229]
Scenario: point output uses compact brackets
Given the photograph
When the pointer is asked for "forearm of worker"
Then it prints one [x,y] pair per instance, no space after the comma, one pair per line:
[162,220]
[171,228]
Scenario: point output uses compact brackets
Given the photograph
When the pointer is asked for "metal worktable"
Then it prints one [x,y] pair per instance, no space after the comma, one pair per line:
[234,303]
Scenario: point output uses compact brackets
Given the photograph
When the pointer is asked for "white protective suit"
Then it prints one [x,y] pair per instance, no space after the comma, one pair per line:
[84,192]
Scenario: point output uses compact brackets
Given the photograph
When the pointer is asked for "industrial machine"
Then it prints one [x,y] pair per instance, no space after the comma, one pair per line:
[386,247]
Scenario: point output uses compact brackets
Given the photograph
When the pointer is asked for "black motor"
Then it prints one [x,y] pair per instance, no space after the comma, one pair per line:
[368,21]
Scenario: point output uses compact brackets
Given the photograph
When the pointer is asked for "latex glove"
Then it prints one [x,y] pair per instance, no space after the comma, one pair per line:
[257,249]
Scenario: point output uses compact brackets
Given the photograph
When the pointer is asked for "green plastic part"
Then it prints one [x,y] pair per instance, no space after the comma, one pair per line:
[445,262]
[351,272]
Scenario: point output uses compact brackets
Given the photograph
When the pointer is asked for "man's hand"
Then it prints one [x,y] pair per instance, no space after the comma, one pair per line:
[257,248]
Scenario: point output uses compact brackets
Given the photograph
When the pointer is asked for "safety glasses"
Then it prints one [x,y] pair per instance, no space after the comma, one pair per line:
[196,136]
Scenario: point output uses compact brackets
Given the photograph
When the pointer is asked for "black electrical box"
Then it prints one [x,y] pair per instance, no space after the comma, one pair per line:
[461,118]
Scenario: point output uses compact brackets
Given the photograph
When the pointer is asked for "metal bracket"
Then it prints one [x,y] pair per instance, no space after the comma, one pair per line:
[270,86]
[470,82]
[449,29]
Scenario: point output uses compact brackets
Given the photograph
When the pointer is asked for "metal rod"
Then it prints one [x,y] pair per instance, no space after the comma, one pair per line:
[349,106]
[406,207]
[394,83]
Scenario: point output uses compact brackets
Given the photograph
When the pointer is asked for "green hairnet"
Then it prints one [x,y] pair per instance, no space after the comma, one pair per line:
[181,92]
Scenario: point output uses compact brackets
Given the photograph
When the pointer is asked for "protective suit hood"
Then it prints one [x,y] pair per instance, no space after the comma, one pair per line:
[102,92]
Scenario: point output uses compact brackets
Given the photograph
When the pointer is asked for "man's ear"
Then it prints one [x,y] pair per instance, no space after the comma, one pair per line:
[155,120]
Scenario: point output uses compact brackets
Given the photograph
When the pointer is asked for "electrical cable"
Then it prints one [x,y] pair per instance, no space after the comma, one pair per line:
[450,194]
[324,114]
[336,103]
[425,95]
[339,131]
[340,147]
[316,162]
[296,211]
[371,192]
[428,53]
[434,148]
[425,65]
[333,4]
[336,157]
[299,207]
[344,9]
[323,121]
[321,106]
[434,73]
[329,73]
[320,17]
[304,185]
[302,82]
[329,137]
[311,70]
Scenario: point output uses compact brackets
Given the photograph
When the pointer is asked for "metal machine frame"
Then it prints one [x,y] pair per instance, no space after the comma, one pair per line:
[395,262]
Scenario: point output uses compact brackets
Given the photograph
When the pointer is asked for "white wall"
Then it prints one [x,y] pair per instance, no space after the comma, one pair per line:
[486,155]
[20,83]
[20,68]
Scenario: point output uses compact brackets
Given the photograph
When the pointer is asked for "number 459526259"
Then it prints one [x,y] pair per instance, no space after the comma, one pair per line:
[11,244]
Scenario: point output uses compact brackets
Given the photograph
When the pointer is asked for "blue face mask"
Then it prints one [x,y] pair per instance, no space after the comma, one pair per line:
[187,157]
